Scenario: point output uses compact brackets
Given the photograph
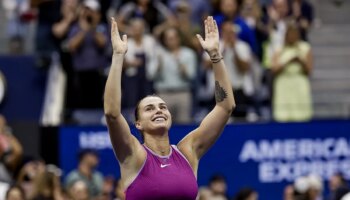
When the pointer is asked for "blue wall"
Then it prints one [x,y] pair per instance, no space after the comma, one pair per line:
[25,88]
[264,156]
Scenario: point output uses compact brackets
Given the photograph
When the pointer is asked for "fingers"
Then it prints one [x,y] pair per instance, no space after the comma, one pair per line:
[115,31]
[200,39]
[210,25]
[206,28]
[125,38]
[215,26]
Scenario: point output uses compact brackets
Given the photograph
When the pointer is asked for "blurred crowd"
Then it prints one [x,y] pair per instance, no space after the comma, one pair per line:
[24,177]
[264,44]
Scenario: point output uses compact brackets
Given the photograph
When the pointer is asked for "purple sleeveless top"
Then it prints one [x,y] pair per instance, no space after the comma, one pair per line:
[164,178]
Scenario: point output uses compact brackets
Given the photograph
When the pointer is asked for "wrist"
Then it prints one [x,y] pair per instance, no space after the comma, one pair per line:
[215,56]
[118,54]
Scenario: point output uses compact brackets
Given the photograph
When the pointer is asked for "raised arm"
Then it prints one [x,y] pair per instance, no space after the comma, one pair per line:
[195,144]
[124,143]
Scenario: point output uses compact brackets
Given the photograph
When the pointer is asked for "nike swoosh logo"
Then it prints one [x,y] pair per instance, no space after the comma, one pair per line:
[162,166]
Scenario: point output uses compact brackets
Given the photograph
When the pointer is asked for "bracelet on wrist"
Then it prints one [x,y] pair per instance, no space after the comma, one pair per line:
[216,60]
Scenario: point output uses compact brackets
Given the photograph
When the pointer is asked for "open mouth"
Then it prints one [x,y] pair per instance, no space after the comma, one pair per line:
[159,119]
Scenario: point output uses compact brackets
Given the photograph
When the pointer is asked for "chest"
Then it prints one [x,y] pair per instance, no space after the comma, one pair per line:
[164,178]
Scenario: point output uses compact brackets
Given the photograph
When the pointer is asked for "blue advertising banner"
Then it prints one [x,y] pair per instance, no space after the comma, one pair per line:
[266,157]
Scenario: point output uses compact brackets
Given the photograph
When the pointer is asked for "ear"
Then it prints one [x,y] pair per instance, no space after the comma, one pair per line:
[138,126]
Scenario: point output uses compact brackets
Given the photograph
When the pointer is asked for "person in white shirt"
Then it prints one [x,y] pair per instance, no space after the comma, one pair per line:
[174,74]
[138,60]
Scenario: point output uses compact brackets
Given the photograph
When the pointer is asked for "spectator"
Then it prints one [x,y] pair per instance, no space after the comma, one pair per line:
[246,194]
[216,189]
[86,172]
[288,193]
[10,152]
[60,30]
[308,188]
[253,16]
[199,9]
[17,14]
[44,39]
[205,91]
[186,27]
[291,68]
[338,187]
[87,41]
[238,59]
[79,191]
[29,171]
[173,75]
[303,13]
[47,185]
[107,189]
[15,193]
[229,12]
[278,14]
[154,13]
[218,186]
[138,60]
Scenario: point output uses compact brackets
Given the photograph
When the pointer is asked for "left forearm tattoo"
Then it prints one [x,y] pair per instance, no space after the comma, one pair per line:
[220,92]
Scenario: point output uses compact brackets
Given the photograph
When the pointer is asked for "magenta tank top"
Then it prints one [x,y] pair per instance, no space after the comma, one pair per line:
[164,178]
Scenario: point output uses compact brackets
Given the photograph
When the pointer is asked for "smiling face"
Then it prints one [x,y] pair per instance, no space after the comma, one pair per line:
[153,115]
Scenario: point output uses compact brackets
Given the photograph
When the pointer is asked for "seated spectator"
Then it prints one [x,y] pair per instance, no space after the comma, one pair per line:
[246,194]
[47,185]
[78,190]
[10,152]
[338,187]
[107,188]
[173,75]
[291,68]
[216,189]
[15,193]
[86,172]
[308,188]
[29,171]
[138,60]
[87,41]
[154,13]
[288,193]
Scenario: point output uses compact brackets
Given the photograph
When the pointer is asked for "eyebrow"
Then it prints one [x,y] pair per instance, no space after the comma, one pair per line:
[161,104]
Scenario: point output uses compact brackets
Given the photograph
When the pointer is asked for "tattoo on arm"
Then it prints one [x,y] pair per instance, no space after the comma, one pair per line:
[220,92]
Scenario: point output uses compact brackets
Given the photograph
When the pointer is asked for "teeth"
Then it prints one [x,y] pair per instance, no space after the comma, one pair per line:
[159,119]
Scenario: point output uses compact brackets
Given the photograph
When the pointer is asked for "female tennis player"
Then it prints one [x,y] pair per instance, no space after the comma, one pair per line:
[155,169]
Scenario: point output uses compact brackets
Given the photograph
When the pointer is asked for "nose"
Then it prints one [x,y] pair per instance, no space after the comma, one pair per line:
[158,110]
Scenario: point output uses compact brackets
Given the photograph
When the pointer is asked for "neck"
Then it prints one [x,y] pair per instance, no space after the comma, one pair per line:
[85,170]
[158,143]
